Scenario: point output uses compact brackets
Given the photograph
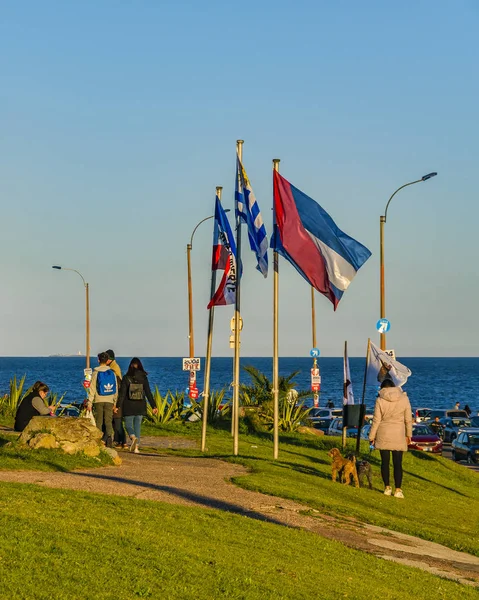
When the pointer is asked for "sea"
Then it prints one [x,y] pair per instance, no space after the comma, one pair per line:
[435,382]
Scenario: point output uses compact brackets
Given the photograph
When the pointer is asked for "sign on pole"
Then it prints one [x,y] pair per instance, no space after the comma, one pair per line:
[383,325]
[191,364]
[314,353]
[315,380]
[233,324]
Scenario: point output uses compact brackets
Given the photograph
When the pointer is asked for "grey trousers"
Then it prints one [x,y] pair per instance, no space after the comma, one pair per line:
[104,415]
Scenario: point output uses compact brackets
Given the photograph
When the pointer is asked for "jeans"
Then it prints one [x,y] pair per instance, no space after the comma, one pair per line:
[120,437]
[104,416]
[133,425]
[397,464]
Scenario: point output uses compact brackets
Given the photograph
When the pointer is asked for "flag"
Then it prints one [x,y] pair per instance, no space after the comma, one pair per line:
[381,366]
[224,258]
[348,396]
[247,209]
[310,240]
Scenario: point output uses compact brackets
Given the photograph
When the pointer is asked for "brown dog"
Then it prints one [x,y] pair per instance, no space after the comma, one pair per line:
[344,467]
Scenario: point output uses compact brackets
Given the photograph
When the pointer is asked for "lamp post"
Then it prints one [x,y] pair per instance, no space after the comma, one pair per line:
[87,297]
[189,248]
[382,221]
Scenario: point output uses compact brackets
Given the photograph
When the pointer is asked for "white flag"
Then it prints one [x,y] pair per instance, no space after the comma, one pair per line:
[381,366]
[348,396]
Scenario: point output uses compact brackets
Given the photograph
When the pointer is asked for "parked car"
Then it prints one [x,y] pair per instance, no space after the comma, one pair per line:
[452,427]
[474,421]
[336,428]
[444,413]
[423,438]
[322,424]
[325,413]
[421,414]
[466,446]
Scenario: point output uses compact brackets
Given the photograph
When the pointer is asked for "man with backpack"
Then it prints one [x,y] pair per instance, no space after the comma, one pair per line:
[103,393]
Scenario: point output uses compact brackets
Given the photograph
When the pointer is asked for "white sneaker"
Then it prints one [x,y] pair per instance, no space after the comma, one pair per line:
[398,494]
[134,443]
[388,491]
[136,450]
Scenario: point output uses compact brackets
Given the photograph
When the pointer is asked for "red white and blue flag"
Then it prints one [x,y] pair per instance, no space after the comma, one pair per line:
[224,258]
[310,240]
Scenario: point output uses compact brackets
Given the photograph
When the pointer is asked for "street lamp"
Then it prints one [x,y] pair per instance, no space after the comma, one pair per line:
[87,294]
[382,221]
[189,247]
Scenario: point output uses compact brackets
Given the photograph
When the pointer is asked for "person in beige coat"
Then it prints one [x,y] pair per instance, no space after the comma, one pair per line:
[391,432]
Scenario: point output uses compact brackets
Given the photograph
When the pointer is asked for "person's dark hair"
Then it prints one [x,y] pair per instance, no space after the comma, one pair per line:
[111,354]
[387,383]
[39,386]
[103,358]
[135,366]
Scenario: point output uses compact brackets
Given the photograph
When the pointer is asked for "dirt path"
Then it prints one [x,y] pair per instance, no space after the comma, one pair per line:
[207,483]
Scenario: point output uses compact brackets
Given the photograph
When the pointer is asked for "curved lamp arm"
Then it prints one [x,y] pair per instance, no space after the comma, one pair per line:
[74,270]
[423,178]
[202,221]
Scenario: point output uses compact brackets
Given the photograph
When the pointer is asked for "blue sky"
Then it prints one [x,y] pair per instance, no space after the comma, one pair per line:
[119,119]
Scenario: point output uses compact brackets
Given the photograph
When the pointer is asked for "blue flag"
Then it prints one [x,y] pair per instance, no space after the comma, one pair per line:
[248,210]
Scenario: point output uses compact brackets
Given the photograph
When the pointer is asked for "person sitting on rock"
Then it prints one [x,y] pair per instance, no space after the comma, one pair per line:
[33,405]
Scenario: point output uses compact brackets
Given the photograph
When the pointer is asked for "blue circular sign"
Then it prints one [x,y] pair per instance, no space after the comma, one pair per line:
[383,325]
[315,352]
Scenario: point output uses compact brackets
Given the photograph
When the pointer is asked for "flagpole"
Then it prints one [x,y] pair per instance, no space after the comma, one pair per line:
[360,424]
[209,346]
[313,327]
[275,343]
[345,428]
[236,368]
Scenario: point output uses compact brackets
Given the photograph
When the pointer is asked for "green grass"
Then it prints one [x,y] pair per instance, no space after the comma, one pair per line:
[442,498]
[13,457]
[66,545]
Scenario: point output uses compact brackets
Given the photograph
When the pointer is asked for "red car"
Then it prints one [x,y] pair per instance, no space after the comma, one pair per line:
[425,439]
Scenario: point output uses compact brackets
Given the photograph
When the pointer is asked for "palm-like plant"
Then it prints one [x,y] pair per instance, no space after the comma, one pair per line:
[218,406]
[9,403]
[260,393]
[171,407]
[291,413]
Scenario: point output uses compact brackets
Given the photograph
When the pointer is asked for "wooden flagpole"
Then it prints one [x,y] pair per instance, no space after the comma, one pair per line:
[360,423]
[237,321]
[275,344]
[209,346]
[313,327]
[345,396]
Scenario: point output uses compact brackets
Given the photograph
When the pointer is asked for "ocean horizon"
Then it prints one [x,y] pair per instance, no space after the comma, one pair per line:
[436,382]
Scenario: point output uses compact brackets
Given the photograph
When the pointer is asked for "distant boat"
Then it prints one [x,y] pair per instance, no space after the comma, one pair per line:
[65,355]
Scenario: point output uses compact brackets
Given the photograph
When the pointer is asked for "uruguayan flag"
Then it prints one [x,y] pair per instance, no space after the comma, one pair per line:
[247,208]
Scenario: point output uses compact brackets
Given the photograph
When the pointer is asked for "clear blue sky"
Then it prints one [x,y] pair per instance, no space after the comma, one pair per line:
[118,119]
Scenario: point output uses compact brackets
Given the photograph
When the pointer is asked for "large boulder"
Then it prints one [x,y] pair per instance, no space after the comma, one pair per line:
[310,431]
[71,434]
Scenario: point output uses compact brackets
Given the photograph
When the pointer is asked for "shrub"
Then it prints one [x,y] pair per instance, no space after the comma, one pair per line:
[9,402]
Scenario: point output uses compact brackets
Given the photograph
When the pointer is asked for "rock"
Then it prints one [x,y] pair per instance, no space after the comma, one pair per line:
[310,431]
[71,434]
[43,440]
[113,455]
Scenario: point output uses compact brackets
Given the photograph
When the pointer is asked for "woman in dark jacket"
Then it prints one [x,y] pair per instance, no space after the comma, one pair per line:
[33,405]
[134,392]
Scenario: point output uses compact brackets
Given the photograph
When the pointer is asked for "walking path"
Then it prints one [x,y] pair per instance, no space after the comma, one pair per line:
[206,483]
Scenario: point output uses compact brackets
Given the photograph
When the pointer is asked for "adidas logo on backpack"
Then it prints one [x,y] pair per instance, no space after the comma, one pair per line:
[106,383]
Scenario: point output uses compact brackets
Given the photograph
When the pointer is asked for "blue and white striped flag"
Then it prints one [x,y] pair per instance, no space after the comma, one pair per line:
[247,209]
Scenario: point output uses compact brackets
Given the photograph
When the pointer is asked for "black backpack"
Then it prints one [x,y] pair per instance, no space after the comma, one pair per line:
[135,391]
